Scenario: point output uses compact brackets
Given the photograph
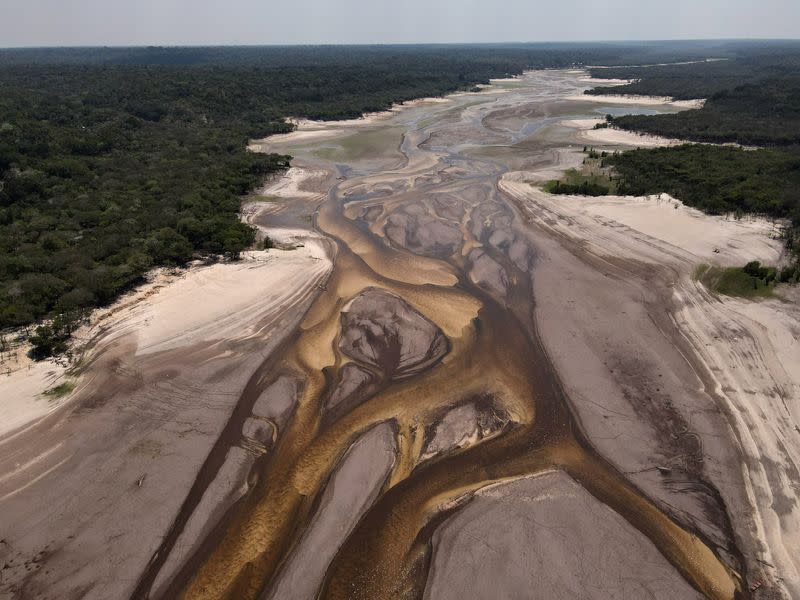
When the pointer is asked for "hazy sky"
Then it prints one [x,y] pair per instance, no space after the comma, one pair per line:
[171,22]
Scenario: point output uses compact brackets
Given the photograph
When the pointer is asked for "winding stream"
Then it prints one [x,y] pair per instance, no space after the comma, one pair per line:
[423,236]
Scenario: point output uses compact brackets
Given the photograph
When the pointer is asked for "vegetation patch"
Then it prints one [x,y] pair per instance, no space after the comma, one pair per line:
[61,390]
[260,198]
[594,178]
[52,339]
[751,281]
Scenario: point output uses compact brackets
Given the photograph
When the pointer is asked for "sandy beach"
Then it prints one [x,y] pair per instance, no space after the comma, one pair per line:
[632,99]
[610,136]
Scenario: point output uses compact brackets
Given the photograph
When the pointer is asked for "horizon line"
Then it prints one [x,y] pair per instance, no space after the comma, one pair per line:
[374,44]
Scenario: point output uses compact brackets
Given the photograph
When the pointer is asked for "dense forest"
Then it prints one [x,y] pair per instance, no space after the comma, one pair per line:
[716,179]
[765,112]
[722,68]
[509,58]
[115,160]
[108,172]
[753,99]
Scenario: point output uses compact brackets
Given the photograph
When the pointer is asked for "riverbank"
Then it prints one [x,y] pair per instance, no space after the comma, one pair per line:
[417,208]
[631,99]
[610,136]
[160,376]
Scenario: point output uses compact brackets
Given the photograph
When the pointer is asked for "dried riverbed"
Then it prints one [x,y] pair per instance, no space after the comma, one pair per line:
[487,392]
[427,324]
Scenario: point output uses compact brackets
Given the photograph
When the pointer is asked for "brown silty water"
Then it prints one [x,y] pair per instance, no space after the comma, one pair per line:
[429,306]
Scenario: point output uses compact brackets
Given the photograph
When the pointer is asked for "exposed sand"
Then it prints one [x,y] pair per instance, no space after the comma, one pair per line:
[353,488]
[685,62]
[615,137]
[502,80]
[638,100]
[609,82]
[752,352]
[291,184]
[307,130]
[228,486]
[723,240]
[503,544]
[306,134]
[21,390]
[749,349]
[223,301]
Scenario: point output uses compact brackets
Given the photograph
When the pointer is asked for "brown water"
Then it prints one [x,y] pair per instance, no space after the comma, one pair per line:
[427,224]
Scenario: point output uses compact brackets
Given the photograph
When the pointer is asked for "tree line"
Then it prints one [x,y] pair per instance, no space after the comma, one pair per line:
[116,160]
[753,99]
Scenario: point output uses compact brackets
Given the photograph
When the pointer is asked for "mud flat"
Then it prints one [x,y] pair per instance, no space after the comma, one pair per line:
[458,373]
[646,249]
[510,530]
[443,462]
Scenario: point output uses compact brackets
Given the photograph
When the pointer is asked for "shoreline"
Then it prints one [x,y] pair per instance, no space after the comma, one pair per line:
[638,100]
[134,310]
[312,130]
[612,136]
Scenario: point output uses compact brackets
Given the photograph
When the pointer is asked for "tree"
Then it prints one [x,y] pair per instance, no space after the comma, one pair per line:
[168,246]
